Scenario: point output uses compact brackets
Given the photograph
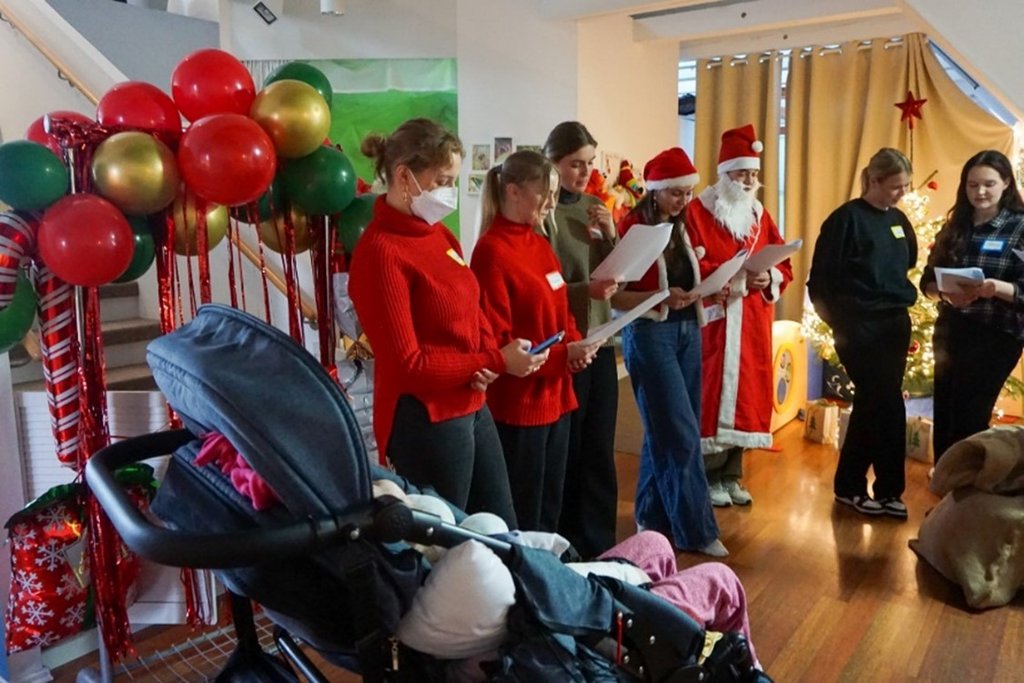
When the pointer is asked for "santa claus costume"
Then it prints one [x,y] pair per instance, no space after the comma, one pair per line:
[736,404]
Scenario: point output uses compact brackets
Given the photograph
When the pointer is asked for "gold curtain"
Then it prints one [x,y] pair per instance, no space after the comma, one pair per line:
[731,94]
[840,109]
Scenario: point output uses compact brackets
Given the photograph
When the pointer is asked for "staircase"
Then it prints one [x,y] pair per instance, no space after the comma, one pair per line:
[125,336]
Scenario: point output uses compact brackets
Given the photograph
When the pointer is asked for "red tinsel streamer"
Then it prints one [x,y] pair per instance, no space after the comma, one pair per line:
[17,242]
[321,250]
[58,341]
[263,274]
[203,251]
[290,278]
[164,239]
[232,236]
[104,544]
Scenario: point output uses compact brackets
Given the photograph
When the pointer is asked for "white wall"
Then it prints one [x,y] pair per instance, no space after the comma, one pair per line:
[392,29]
[517,77]
[38,88]
[628,90]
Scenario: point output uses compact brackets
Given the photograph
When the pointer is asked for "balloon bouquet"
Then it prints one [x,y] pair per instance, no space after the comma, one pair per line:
[99,201]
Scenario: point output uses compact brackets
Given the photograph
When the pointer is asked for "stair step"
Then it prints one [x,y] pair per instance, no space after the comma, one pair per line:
[124,344]
[126,378]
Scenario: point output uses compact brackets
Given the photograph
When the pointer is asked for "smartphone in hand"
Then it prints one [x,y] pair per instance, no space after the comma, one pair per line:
[550,341]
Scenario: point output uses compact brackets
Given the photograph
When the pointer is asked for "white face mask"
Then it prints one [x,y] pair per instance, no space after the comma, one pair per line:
[436,205]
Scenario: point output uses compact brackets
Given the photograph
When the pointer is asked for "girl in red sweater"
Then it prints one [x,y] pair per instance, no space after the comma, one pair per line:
[418,302]
[523,294]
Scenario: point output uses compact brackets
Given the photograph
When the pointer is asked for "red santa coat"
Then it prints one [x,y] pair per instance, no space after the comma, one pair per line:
[736,403]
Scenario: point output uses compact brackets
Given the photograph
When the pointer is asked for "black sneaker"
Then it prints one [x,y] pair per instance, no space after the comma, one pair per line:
[893,507]
[863,504]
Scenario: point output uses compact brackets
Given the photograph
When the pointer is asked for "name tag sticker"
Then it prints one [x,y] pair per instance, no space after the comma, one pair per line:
[555,280]
[897,231]
[454,256]
[993,245]
[714,312]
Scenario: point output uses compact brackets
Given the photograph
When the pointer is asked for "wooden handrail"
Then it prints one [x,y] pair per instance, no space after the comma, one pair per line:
[63,70]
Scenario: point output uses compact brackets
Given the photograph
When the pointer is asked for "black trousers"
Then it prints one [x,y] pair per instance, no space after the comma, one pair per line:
[590,498]
[535,458]
[873,349]
[972,362]
[460,458]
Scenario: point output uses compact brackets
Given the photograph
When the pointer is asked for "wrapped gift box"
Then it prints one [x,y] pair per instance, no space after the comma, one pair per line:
[821,421]
[919,439]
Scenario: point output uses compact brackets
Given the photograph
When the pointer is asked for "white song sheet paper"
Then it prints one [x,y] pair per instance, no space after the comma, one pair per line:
[602,332]
[714,282]
[772,255]
[634,254]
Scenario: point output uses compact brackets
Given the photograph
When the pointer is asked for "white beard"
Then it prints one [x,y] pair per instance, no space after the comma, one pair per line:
[734,206]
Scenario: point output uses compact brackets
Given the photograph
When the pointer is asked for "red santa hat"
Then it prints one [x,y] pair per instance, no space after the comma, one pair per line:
[740,150]
[671,168]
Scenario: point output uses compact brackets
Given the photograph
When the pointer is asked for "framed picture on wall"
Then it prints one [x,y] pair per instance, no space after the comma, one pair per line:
[475,183]
[502,148]
[481,157]
[610,162]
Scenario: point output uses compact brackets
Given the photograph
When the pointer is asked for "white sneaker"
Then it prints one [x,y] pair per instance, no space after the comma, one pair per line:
[720,498]
[737,494]
[715,549]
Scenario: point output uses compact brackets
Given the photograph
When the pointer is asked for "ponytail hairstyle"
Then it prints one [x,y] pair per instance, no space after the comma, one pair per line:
[885,163]
[418,143]
[518,168]
[566,138]
[952,238]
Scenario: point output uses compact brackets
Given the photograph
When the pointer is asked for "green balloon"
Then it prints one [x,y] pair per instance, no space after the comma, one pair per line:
[16,318]
[323,182]
[31,176]
[354,220]
[300,71]
[145,250]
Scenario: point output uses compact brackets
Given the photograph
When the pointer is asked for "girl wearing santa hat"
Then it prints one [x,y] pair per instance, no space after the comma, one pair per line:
[523,296]
[663,355]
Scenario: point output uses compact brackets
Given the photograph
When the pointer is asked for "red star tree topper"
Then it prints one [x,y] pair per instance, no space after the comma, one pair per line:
[911,108]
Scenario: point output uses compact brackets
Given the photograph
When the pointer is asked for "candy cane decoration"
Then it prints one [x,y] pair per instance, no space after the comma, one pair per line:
[17,242]
[58,343]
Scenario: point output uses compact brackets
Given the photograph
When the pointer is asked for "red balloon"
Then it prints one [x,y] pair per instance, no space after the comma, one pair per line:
[211,82]
[85,240]
[36,132]
[136,105]
[227,159]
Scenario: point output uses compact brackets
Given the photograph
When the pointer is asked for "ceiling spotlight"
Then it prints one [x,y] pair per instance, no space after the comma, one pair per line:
[332,7]
[266,14]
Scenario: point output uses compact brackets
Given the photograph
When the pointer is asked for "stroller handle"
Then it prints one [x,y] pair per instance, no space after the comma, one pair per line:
[209,550]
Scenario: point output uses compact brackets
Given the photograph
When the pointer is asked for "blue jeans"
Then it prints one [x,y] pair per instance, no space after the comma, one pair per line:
[664,363]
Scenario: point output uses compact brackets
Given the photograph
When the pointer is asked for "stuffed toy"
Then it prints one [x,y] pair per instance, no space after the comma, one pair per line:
[626,191]
[596,186]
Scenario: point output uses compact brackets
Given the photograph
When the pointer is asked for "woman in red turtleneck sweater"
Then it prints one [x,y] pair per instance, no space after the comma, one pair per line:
[523,295]
[418,302]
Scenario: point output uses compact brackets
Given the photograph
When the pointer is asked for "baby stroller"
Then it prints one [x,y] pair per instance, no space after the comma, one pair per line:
[331,565]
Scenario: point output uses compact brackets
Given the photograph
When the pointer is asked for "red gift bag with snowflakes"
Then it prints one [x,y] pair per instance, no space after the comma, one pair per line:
[51,596]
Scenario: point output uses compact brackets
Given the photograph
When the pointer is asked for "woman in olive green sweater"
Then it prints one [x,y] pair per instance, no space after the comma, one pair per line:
[582,234]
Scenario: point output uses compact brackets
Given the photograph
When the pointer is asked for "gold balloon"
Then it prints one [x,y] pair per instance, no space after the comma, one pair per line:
[272,232]
[136,172]
[294,115]
[185,213]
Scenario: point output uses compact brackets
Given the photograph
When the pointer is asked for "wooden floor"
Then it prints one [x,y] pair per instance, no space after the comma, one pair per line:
[832,595]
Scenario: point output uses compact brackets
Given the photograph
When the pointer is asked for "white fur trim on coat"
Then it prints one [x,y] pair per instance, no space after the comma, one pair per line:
[691,180]
[772,293]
